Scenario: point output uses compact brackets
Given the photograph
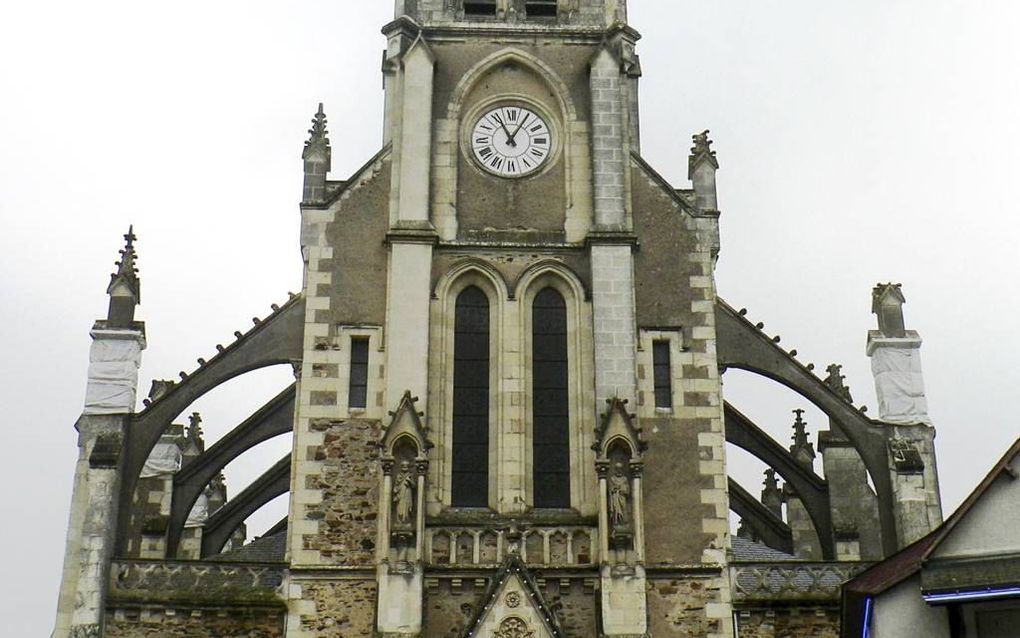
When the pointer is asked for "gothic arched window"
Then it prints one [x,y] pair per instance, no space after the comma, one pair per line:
[550,405]
[470,463]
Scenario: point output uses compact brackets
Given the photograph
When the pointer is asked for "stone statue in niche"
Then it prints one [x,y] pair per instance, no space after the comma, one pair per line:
[620,514]
[404,488]
[619,496]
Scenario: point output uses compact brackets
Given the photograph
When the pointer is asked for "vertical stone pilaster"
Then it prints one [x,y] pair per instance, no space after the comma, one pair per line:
[407,319]
[412,139]
[614,322]
[608,142]
[853,504]
[805,540]
[917,502]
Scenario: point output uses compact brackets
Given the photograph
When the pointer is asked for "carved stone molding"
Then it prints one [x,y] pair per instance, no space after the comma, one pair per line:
[514,627]
[84,631]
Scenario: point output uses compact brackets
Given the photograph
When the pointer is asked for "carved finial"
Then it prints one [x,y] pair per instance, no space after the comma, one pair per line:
[127,270]
[771,493]
[835,380]
[217,486]
[701,151]
[802,449]
[701,167]
[195,430]
[318,140]
[887,302]
[125,288]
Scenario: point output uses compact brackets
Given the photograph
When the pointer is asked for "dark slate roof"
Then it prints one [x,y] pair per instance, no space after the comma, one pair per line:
[267,549]
[745,550]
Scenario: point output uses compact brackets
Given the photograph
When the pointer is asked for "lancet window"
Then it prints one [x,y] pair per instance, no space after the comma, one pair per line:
[550,403]
[470,467]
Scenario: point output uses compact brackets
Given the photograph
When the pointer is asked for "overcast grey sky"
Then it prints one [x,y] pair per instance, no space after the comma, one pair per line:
[859,140]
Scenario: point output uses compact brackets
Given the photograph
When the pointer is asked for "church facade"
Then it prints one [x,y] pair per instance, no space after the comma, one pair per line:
[507,414]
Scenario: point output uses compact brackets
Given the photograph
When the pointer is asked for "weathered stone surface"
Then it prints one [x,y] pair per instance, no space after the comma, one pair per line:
[450,604]
[682,607]
[343,609]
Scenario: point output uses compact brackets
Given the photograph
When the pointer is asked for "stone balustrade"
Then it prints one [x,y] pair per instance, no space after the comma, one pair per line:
[174,581]
[791,581]
[487,546]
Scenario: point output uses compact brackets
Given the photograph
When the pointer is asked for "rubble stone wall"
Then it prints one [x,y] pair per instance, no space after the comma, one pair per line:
[817,622]
[194,623]
[348,481]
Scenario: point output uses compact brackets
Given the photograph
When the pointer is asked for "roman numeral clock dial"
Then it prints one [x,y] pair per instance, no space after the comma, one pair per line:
[511,141]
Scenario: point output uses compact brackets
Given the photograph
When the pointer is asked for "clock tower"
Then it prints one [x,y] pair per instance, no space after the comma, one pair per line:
[508,417]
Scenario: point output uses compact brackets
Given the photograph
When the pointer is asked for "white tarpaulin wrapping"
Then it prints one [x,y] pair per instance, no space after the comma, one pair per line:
[199,513]
[113,376]
[899,385]
[164,459]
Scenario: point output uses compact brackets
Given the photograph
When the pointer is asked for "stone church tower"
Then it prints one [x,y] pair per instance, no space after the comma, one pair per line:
[507,415]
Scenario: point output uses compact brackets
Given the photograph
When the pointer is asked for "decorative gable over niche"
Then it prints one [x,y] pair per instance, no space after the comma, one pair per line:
[513,607]
[406,427]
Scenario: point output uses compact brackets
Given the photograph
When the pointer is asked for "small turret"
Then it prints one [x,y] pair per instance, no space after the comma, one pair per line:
[701,168]
[125,288]
[896,360]
[317,157]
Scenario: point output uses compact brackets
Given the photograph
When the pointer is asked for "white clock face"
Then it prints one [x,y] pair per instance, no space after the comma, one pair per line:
[511,141]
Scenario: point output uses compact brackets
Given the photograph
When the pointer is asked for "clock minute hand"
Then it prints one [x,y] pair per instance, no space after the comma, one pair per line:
[519,127]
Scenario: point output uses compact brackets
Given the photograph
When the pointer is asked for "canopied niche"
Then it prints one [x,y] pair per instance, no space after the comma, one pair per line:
[405,465]
[619,465]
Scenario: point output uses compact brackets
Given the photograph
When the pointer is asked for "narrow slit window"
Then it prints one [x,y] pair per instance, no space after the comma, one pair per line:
[358,391]
[661,375]
[551,415]
[480,7]
[470,463]
[541,8]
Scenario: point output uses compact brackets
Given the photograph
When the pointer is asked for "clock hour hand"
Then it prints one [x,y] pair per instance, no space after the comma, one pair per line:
[509,137]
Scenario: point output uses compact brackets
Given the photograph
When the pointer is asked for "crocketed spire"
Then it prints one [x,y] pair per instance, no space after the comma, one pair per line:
[125,287]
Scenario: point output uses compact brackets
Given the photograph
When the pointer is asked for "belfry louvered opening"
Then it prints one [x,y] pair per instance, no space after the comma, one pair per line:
[541,8]
[470,467]
[480,7]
